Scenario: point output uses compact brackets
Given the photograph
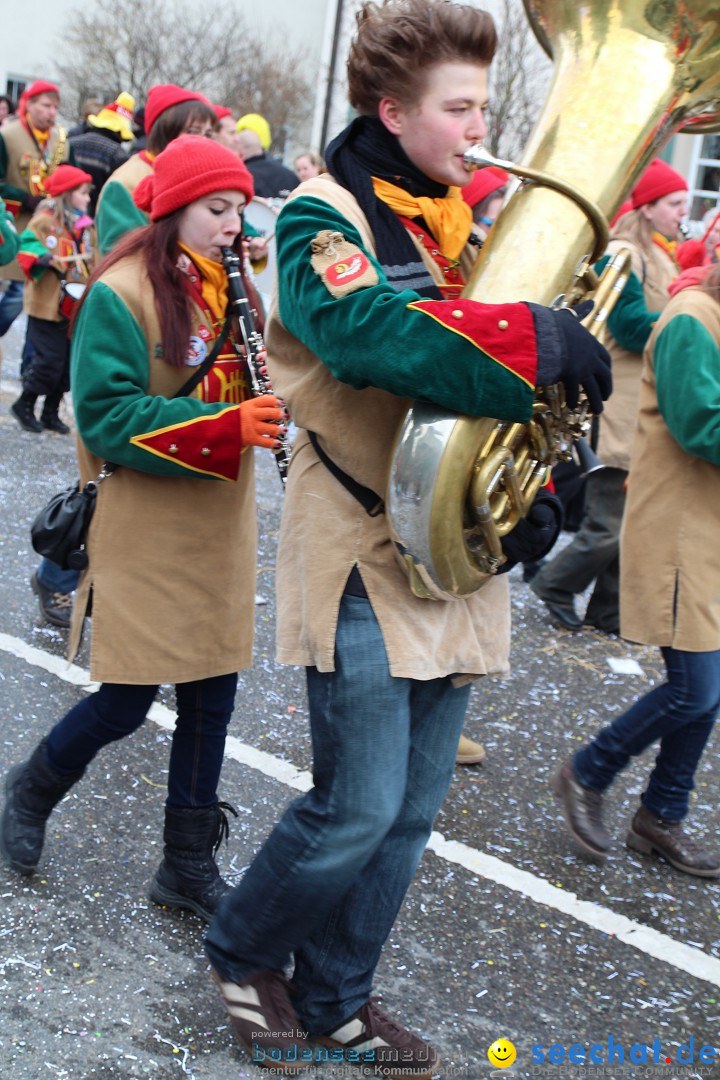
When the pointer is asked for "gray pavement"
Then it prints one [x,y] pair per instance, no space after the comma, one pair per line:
[506,933]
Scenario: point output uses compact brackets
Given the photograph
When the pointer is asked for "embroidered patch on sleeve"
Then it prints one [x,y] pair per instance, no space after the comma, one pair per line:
[341,266]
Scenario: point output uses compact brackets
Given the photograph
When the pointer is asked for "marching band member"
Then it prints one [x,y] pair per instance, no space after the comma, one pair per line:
[371,262]
[172,542]
[170,111]
[649,230]
[57,247]
[669,589]
[30,150]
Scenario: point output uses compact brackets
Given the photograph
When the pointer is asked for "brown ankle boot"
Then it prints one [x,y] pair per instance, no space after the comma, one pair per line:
[651,835]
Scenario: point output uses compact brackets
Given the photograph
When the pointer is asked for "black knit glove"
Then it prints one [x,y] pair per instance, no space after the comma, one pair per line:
[568,353]
[534,535]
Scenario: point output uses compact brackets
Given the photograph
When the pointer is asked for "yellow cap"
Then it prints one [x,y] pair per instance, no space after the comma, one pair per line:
[259,125]
[117,116]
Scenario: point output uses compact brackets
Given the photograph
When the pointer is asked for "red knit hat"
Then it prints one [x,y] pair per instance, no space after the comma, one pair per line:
[40,86]
[221,111]
[163,96]
[658,179]
[188,168]
[66,178]
[483,183]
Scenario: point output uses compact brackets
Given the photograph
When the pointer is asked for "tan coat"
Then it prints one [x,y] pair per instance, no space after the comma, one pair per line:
[41,297]
[172,560]
[670,557]
[655,270]
[325,531]
[22,166]
[128,175]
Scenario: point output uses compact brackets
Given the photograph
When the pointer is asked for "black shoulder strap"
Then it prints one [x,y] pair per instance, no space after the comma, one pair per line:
[368,499]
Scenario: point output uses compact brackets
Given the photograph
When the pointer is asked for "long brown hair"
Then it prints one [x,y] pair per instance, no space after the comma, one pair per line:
[157,243]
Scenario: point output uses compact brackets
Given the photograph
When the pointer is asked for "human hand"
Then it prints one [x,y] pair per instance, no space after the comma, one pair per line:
[262,421]
[534,535]
[583,361]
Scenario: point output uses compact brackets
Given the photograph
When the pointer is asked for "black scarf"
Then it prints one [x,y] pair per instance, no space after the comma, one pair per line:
[366,149]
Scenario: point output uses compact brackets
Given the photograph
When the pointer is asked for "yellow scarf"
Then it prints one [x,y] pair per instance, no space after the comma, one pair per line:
[668,246]
[449,219]
[41,137]
[214,285]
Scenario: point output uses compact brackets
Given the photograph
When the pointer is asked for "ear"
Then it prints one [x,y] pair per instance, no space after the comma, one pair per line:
[646,211]
[390,114]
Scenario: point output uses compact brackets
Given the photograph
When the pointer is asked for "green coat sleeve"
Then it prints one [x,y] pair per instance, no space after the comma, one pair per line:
[7,191]
[630,321]
[374,337]
[117,214]
[31,249]
[9,239]
[109,379]
[687,374]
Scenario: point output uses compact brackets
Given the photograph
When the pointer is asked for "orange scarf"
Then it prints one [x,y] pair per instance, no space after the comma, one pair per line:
[449,219]
[668,246]
[214,285]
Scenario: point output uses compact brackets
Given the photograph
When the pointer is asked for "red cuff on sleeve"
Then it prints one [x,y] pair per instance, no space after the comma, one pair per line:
[506,332]
[206,444]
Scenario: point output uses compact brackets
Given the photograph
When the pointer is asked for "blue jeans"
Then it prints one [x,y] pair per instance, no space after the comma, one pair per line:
[204,709]
[11,303]
[680,714]
[56,579]
[328,883]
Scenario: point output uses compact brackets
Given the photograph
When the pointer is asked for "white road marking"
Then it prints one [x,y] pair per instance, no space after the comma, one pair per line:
[685,958]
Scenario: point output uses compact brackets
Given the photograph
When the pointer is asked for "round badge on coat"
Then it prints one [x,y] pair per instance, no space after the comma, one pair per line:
[197,351]
[51,243]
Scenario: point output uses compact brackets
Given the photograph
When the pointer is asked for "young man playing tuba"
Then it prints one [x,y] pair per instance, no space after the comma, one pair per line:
[372,257]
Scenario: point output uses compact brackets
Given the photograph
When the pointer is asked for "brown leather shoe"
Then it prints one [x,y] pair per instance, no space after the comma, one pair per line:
[651,835]
[582,808]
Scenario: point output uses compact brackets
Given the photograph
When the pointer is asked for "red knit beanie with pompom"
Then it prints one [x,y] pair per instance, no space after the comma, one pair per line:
[188,168]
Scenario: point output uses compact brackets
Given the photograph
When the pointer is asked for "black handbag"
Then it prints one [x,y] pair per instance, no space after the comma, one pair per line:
[60,530]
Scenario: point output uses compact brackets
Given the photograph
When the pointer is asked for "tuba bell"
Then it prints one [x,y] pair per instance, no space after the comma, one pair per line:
[628,74]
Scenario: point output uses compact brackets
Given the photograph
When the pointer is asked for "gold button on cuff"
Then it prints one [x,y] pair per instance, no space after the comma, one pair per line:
[205,451]
[503,324]
[457,314]
[173,448]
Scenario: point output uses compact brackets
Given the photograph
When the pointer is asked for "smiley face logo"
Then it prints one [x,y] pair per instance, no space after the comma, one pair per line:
[502,1053]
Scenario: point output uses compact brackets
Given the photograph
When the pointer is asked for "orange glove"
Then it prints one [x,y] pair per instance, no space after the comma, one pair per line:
[261,421]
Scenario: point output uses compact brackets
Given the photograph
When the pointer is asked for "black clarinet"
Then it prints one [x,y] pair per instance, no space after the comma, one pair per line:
[252,340]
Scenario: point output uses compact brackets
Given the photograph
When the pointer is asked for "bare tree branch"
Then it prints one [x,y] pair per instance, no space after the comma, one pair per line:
[136,43]
[518,80]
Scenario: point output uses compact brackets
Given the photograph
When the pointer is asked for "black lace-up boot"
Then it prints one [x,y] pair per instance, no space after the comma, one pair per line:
[49,417]
[32,788]
[24,412]
[188,876]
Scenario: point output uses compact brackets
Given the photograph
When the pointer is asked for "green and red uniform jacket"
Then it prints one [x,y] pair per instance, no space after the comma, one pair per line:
[114,365]
[473,358]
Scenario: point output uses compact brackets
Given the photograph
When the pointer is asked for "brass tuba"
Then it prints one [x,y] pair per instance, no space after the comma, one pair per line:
[628,75]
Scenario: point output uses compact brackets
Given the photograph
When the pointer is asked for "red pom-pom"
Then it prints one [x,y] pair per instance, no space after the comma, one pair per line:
[691,253]
[143,193]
